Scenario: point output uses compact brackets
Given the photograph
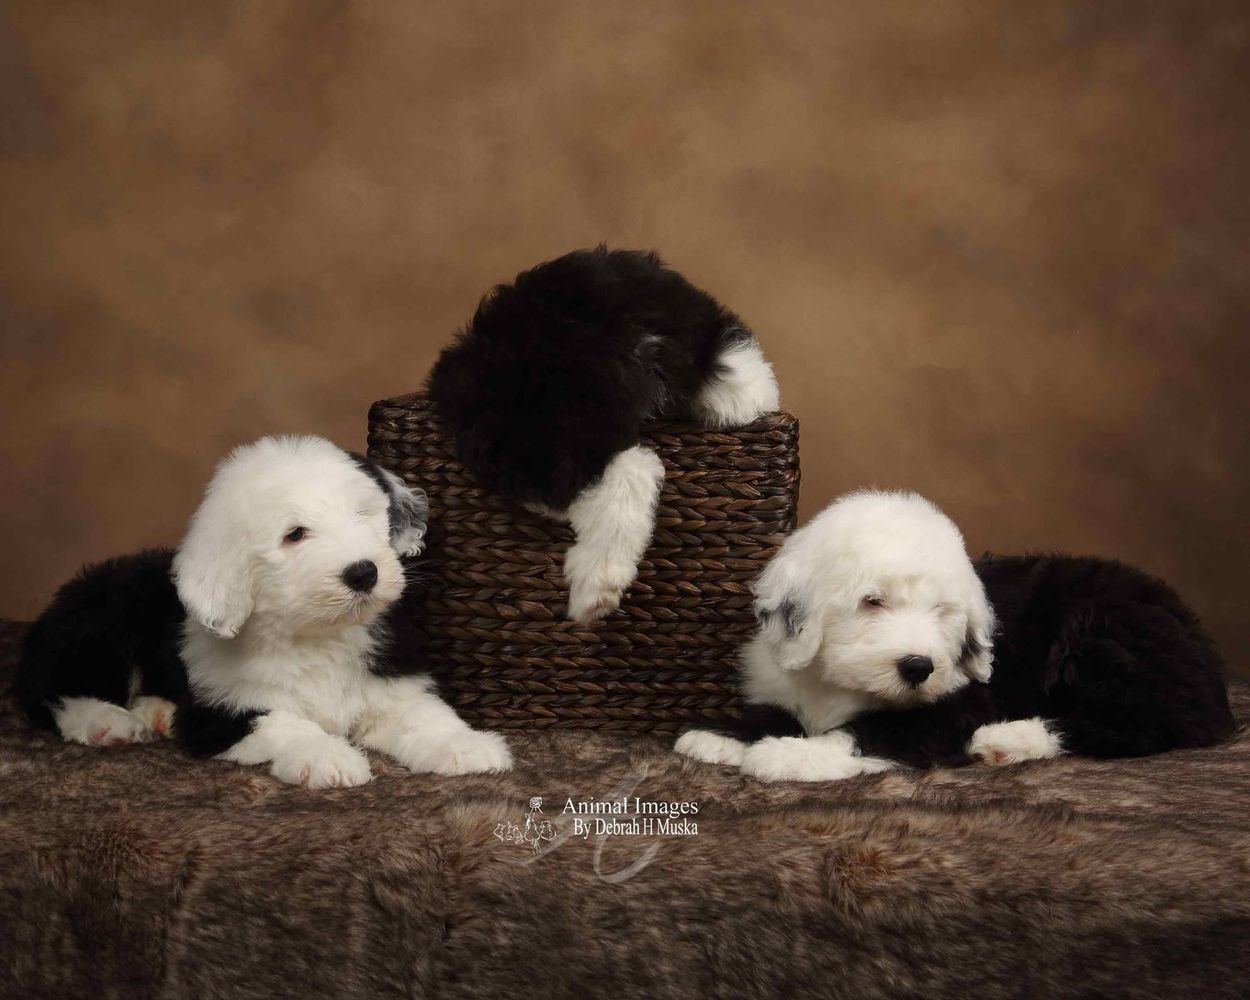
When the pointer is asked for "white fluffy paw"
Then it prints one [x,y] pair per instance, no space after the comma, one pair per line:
[157,714]
[743,388]
[712,748]
[593,597]
[597,579]
[1014,742]
[613,521]
[96,723]
[321,762]
[798,758]
[470,751]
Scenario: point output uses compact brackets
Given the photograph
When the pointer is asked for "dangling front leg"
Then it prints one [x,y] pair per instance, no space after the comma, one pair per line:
[613,522]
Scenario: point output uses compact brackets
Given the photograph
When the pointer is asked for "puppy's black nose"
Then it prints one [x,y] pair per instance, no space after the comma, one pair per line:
[361,576]
[914,669]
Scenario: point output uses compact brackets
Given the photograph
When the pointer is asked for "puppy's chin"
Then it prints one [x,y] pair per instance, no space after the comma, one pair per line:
[928,692]
[339,611]
[366,608]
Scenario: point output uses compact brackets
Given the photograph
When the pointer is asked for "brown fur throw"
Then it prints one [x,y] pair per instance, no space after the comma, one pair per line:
[138,872]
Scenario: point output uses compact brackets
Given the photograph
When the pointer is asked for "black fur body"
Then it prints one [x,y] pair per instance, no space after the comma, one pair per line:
[1110,658]
[556,372]
[111,632]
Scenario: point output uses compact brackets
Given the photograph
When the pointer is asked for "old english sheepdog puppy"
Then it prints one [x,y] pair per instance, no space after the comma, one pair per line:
[881,644]
[262,639]
[545,392]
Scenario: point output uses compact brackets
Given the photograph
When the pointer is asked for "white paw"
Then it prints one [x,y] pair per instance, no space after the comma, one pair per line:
[593,597]
[743,388]
[712,748]
[467,752]
[1014,742]
[798,758]
[613,521]
[597,580]
[98,723]
[321,762]
[156,714]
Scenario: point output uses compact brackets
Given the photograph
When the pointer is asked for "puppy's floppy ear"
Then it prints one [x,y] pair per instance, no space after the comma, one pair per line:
[213,570]
[408,509]
[788,610]
[409,513]
[793,639]
[976,657]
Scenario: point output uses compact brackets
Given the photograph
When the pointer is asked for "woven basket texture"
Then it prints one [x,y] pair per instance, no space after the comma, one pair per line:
[487,610]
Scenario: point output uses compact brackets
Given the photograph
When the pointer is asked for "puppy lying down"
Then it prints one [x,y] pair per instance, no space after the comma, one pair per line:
[284,575]
[881,644]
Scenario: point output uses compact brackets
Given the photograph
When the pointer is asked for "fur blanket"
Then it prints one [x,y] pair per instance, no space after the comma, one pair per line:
[138,872]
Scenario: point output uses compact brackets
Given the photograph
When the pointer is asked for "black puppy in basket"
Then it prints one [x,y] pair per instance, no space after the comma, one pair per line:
[546,390]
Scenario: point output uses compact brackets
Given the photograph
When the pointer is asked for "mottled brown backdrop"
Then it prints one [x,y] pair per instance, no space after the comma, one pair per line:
[999,251]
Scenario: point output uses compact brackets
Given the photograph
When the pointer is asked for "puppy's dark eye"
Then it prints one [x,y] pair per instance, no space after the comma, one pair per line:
[295,535]
[873,601]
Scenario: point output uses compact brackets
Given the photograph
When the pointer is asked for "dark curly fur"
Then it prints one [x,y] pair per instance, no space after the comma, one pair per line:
[1111,658]
[112,619]
[557,371]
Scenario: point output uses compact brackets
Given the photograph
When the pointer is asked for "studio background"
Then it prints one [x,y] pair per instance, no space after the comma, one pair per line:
[998,252]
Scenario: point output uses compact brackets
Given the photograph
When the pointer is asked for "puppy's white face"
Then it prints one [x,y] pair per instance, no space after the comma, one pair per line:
[313,547]
[876,595]
[898,636]
[296,532]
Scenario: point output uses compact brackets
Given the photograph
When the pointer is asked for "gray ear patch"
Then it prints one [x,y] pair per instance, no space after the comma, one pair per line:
[792,616]
[408,512]
[971,647]
[370,469]
[969,654]
[789,611]
[407,509]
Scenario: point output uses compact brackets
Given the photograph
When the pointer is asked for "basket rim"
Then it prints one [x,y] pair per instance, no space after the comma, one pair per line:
[413,400]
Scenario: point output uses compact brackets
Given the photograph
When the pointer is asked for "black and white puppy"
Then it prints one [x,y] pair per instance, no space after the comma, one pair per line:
[284,574]
[881,644]
[545,392]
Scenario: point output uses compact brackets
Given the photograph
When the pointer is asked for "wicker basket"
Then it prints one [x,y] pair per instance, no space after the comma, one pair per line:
[489,616]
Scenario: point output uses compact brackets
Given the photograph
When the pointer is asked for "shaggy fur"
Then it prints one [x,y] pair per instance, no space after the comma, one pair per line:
[284,574]
[110,634]
[876,643]
[547,388]
[140,872]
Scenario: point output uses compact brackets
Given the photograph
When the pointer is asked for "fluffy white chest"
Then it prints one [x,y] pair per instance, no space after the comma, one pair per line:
[319,677]
[817,704]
